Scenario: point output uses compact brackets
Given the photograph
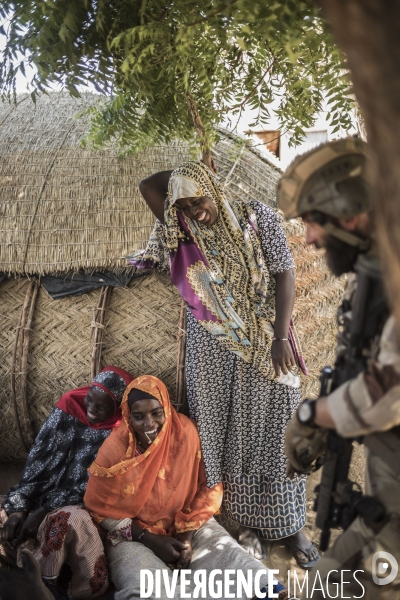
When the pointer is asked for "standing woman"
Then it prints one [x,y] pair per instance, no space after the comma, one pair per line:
[231,264]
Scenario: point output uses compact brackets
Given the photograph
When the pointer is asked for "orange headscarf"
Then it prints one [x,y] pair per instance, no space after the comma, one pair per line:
[163,490]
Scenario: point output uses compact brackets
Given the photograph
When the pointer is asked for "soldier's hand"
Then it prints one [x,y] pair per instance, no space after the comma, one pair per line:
[303,445]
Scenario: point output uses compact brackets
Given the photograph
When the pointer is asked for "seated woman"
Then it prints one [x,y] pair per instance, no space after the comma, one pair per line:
[55,475]
[147,488]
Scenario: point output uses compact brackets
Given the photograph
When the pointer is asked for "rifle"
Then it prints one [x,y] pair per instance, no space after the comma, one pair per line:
[337,502]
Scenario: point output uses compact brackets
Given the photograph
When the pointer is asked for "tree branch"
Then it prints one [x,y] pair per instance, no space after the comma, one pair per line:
[220,9]
[253,91]
[201,132]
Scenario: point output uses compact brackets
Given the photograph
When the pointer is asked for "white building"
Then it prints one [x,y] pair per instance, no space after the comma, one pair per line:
[269,137]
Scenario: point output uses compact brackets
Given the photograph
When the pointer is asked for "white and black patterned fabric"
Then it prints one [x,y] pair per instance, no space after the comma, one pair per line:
[242,416]
[111,380]
[276,507]
[55,472]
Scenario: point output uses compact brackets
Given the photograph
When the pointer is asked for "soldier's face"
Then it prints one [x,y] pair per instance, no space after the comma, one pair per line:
[315,233]
[340,257]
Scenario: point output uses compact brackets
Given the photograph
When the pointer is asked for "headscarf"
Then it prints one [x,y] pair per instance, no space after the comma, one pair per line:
[219,270]
[135,395]
[111,380]
[163,490]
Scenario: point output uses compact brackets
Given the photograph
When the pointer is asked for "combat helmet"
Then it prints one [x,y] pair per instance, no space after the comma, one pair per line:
[330,179]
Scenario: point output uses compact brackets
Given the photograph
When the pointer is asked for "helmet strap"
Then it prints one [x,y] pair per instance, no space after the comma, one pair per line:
[347,237]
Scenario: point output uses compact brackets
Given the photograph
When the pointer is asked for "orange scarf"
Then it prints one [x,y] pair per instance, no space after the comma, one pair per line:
[163,490]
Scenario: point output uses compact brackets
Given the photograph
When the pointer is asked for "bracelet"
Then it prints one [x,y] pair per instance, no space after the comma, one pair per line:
[141,535]
[275,339]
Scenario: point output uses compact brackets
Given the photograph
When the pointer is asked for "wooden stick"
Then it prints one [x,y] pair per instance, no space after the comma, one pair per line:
[98,329]
[93,338]
[102,318]
[201,132]
[13,373]
[181,362]
[24,364]
[98,325]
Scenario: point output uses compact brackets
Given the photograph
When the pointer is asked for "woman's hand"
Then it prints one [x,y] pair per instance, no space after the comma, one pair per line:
[186,554]
[282,357]
[281,352]
[32,523]
[168,549]
[13,525]
[185,557]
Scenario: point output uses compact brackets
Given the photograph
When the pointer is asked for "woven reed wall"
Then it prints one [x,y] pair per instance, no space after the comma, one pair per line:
[64,207]
[140,336]
[318,295]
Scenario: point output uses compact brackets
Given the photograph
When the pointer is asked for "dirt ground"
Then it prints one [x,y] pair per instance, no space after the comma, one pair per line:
[278,556]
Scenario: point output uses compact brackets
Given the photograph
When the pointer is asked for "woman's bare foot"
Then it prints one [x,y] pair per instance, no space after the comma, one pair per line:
[250,542]
[304,551]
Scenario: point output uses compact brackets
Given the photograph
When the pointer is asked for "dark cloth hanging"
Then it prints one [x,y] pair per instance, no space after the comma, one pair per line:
[75,283]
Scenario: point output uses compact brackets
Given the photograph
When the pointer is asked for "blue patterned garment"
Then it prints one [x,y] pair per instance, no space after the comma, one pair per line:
[55,473]
[111,380]
[274,507]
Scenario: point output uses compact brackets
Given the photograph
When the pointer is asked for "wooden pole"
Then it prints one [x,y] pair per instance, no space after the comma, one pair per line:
[13,373]
[101,319]
[97,332]
[24,362]
[181,399]
[201,132]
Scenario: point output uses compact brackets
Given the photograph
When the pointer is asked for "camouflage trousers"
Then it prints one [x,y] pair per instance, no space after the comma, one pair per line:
[364,562]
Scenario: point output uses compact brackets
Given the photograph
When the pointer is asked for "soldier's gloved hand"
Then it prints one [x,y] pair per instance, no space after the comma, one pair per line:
[303,445]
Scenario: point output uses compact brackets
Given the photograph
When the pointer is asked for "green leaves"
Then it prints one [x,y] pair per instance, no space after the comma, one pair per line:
[228,56]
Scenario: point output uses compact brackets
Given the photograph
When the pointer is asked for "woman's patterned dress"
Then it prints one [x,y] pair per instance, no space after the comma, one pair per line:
[242,416]
[55,475]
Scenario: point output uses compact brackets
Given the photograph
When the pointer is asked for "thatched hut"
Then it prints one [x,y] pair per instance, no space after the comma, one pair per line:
[68,218]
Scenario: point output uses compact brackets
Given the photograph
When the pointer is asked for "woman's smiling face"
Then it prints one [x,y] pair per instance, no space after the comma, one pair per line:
[147,418]
[199,208]
[99,406]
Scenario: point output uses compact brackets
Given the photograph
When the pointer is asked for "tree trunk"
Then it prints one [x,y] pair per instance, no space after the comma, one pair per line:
[368,31]
[201,132]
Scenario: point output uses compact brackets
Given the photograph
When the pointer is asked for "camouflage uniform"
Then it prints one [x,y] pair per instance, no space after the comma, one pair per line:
[328,184]
[367,404]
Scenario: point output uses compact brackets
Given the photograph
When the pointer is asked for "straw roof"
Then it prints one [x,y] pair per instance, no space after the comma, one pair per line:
[63,207]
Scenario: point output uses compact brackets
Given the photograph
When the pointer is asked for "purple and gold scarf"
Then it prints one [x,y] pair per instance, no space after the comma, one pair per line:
[220,270]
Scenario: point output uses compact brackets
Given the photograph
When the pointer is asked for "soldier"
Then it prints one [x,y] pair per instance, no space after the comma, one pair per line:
[328,189]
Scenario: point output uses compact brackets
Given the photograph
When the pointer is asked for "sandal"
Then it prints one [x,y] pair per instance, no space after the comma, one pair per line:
[307,551]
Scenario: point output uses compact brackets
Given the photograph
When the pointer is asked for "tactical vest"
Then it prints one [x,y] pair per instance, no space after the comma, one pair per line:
[361,318]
